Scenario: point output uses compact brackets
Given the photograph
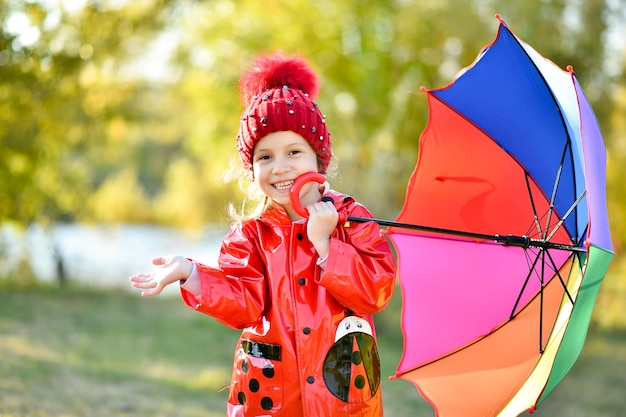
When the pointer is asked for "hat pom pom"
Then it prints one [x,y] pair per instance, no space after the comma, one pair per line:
[276,71]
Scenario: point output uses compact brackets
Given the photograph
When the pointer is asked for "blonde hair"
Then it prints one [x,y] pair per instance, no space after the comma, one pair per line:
[253,196]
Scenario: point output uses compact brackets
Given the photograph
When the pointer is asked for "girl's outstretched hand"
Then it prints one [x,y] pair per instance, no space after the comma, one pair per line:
[171,269]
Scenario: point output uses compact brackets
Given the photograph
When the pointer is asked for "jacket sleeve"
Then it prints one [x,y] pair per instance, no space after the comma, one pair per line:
[233,292]
[360,270]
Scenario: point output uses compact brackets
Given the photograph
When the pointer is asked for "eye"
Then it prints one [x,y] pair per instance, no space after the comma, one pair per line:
[261,157]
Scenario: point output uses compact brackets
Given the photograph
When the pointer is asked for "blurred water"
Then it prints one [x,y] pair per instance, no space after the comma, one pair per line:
[101,255]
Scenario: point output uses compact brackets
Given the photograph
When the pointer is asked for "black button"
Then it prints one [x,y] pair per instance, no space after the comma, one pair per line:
[299,236]
[301,281]
[254,385]
[310,379]
[306,330]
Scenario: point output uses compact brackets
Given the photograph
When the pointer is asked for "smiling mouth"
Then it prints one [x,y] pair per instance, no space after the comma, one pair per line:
[283,186]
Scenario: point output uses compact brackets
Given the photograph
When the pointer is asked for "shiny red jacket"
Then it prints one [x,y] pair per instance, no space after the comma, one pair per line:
[307,346]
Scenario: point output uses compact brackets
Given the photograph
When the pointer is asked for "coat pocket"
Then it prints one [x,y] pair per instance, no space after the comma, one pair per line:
[352,366]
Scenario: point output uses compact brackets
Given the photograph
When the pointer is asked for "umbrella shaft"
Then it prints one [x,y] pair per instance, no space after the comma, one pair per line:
[511,240]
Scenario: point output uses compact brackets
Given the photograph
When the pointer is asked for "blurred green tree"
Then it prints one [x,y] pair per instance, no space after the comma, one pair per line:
[64,100]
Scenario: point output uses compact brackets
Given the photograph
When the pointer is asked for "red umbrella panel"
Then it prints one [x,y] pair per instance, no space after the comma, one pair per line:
[511,148]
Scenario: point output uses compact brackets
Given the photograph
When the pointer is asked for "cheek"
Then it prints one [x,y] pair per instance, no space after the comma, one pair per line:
[256,172]
[260,176]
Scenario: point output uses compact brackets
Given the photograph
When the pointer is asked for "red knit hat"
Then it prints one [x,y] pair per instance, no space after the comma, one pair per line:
[279,94]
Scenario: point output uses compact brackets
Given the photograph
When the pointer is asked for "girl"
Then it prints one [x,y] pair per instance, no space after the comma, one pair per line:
[301,290]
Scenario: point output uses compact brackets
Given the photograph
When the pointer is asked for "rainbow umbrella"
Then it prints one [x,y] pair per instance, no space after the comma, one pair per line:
[498,289]
[504,239]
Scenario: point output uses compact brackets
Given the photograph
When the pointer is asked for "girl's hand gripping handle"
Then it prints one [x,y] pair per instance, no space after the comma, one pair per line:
[294,194]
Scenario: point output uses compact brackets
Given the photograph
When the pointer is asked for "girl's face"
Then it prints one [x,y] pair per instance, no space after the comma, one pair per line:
[278,159]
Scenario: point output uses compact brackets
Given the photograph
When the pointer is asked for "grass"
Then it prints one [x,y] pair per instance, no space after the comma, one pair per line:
[100,353]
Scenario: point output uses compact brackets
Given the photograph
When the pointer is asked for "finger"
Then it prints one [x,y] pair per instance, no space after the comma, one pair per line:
[144,284]
[153,292]
[159,260]
[324,205]
[312,209]
[139,277]
[326,208]
[321,207]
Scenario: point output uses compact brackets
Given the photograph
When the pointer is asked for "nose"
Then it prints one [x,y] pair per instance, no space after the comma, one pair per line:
[280,165]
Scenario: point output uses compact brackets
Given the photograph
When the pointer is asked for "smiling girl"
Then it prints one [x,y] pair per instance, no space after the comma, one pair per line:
[302,291]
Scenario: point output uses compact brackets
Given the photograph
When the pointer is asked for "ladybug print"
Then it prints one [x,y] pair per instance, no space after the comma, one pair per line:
[352,366]
[257,383]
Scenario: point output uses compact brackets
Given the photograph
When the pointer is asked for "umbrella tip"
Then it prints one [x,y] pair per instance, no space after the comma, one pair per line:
[500,19]
[570,69]
[422,88]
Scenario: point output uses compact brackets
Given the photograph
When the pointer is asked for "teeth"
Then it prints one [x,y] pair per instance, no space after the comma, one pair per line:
[283,185]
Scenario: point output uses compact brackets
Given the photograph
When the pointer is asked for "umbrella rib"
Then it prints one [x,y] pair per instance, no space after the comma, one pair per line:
[558,274]
[532,203]
[557,180]
[543,270]
[569,211]
[542,254]
[519,296]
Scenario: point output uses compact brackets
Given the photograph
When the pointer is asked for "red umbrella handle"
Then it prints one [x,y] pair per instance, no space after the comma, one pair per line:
[294,193]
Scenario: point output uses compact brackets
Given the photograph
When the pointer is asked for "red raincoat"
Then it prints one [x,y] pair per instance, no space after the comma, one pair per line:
[293,358]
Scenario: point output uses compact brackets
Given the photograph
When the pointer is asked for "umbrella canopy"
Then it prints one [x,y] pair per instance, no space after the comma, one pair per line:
[512,147]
